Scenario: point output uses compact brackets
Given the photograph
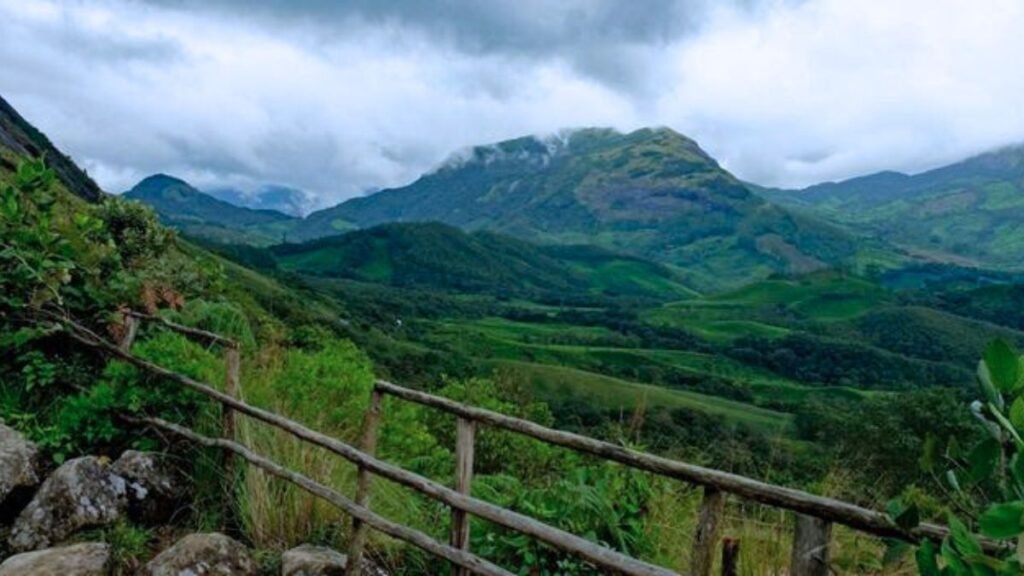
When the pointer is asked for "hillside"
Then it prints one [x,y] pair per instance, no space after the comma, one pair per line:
[198,214]
[19,140]
[440,257]
[969,212]
[652,193]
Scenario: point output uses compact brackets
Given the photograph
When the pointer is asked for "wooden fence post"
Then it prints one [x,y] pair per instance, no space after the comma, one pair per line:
[730,557]
[709,530]
[360,530]
[131,328]
[810,547]
[228,466]
[464,445]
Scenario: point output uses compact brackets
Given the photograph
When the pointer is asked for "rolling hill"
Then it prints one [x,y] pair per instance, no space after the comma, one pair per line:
[968,212]
[651,193]
[199,214]
[440,257]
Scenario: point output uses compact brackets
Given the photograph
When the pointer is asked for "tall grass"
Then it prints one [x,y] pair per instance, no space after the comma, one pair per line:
[327,390]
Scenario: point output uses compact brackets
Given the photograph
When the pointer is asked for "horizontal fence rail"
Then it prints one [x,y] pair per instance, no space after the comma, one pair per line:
[814,514]
[863,519]
[415,537]
[596,554]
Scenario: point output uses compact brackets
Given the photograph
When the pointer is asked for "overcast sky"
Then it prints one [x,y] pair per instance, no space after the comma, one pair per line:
[337,98]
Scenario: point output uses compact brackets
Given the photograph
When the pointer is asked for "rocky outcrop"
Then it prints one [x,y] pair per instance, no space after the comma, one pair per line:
[19,461]
[202,555]
[81,493]
[156,488]
[89,559]
[309,560]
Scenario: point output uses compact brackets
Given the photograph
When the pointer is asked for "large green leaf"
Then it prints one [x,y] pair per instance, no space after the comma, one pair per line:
[963,540]
[1003,365]
[1017,414]
[1003,520]
[927,563]
[984,459]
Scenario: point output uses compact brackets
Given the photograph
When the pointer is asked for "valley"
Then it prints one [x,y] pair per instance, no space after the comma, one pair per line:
[622,286]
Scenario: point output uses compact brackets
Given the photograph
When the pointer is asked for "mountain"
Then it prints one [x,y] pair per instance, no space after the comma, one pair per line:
[436,256]
[969,212]
[271,197]
[652,193]
[199,214]
[19,139]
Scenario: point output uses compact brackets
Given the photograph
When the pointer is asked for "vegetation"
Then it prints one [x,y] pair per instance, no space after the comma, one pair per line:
[437,257]
[965,213]
[652,194]
[825,380]
[201,215]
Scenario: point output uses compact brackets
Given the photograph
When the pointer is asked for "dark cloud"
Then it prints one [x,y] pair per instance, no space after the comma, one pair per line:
[340,97]
[604,39]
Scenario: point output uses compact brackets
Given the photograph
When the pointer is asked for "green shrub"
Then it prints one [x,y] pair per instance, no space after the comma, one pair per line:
[985,483]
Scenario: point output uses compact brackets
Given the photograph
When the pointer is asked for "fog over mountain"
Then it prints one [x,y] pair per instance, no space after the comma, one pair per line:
[339,98]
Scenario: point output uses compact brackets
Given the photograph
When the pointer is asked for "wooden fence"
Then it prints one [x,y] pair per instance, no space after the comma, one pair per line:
[815,514]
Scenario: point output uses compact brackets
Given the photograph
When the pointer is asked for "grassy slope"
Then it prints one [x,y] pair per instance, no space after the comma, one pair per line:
[198,214]
[651,193]
[966,213]
[553,383]
[439,257]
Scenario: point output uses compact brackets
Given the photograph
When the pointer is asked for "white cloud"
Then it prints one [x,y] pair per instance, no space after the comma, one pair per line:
[783,93]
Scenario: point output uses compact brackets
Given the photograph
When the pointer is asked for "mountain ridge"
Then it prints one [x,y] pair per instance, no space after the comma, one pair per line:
[19,139]
[182,206]
[652,193]
[970,209]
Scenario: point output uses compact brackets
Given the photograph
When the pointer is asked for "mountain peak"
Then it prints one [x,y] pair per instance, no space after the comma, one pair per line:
[652,193]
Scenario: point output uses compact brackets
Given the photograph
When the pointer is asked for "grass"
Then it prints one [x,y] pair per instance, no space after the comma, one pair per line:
[500,339]
[556,382]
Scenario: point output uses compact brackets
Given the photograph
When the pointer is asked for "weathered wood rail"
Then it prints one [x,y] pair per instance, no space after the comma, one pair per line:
[814,515]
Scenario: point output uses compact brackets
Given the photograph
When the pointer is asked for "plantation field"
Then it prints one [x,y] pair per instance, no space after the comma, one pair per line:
[555,383]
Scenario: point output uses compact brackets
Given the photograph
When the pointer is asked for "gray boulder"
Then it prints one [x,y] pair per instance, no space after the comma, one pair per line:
[202,555]
[19,460]
[309,560]
[88,559]
[81,493]
[156,488]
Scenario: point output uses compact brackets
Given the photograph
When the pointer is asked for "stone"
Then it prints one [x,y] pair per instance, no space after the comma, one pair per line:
[87,559]
[81,493]
[309,560]
[156,487]
[19,461]
[210,554]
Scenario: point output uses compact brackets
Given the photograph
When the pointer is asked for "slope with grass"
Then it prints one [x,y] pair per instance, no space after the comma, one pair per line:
[439,257]
[195,213]
[20,140]
[968,212]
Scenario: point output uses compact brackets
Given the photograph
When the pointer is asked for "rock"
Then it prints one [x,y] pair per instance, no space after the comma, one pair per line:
[202,555]
[309,560]
[19,460]
[81,493]
[88,559]
[156,488]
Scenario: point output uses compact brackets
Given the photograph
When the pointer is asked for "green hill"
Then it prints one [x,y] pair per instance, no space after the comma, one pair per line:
[968,213]
[440,257]
[19,140]
[652,193]
[198,214]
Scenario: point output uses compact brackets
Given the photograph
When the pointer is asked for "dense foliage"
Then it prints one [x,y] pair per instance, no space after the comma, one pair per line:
[984,480]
